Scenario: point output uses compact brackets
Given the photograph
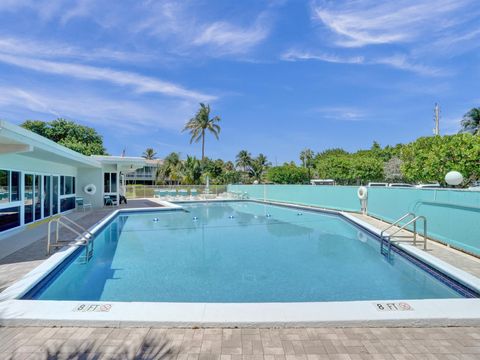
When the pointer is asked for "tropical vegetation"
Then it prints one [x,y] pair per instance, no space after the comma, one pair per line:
[80,138]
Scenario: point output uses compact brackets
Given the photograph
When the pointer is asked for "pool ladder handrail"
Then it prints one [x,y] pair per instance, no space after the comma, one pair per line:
[84,237]
[414,220]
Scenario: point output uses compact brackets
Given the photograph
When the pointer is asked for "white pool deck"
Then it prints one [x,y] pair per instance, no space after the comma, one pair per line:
[396,312]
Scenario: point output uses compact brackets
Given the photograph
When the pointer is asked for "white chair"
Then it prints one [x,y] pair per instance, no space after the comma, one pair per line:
[81,204]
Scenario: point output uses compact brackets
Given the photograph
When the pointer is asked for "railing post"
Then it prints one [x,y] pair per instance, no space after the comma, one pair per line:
[424,233]
[415,232]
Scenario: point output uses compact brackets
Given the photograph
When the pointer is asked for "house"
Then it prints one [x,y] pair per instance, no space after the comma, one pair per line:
[40,178]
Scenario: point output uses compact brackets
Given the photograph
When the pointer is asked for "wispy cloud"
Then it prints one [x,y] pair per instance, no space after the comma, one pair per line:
[140,83]
[370,22]
[96,109]
[398,61]
[341,113]
[187,33]
[58,50]
[295,55]
[231,39]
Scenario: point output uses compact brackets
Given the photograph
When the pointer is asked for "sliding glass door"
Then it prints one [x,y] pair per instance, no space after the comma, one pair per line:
[55,195]
[37,194]
[28,200]
[47,198]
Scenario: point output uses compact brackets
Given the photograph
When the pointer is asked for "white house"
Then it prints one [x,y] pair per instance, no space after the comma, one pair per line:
[40,178]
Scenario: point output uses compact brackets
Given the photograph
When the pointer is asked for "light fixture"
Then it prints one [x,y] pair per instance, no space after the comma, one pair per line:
[453,178]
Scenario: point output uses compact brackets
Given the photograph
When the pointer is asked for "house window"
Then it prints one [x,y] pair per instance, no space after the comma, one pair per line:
[9,218]
[9,186]
[109,183]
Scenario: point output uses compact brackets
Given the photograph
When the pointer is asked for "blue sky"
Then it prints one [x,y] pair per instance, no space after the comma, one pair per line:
[282,75]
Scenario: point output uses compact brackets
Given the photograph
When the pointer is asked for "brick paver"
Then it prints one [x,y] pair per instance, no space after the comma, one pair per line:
[240,344]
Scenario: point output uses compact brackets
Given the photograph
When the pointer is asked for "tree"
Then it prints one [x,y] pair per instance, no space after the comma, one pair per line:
[192,171]
[428,159]
[471,122]
[258,166]
[200,124]
[243,160]
[171,169]
[306,157]
[80,138]
[288,174]
[392,169]
[350,168]
[149,154]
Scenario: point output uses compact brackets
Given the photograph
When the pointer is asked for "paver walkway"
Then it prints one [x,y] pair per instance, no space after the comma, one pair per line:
[240,344]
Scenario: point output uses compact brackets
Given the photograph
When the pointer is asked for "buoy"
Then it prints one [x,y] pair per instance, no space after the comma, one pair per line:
[362,193]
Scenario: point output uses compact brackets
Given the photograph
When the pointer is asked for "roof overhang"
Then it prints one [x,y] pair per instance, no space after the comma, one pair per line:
[123,163]
[17,140]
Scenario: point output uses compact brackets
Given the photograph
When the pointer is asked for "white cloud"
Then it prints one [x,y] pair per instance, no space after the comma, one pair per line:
[397,61]
[179,25]
[49,49]
[342,113]
[140,83]
[294,55]
[360,23]
[230,39]
[95,109]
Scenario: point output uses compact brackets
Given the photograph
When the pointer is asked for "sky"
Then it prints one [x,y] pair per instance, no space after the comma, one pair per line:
[283,75]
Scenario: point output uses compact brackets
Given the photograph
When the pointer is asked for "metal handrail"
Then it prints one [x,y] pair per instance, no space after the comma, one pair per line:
[396,222]
[412,221]
[85,236]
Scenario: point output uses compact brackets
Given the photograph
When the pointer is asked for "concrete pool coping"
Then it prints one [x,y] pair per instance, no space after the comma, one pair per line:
[431,312]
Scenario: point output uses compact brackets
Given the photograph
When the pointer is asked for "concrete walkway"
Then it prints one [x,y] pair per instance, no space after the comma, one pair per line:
[461,260]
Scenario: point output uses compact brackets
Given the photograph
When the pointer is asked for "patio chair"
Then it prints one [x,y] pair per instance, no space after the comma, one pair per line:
[183,193]
[109,200]
[81,204]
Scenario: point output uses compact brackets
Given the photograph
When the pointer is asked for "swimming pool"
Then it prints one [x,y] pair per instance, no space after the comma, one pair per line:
[240,252]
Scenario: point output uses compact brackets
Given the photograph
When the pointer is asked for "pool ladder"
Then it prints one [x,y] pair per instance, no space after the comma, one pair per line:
[84,237]
[387,239]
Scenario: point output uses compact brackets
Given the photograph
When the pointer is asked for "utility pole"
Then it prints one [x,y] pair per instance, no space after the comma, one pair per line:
[436,119]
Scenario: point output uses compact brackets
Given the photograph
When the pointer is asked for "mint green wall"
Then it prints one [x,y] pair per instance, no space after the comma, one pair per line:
[453,215]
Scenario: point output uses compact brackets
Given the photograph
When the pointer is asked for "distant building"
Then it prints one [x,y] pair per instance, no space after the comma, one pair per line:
[146,175]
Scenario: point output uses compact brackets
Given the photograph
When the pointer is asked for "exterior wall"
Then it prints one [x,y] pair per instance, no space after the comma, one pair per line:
[453,216]
[90,176]
[25,163]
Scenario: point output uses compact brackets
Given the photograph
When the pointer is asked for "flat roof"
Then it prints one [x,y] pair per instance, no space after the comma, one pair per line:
[15,139]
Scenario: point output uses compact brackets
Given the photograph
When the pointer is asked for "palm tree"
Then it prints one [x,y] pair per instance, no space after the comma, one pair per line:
[171,169]
[192,171]
[149,154]
[258,167]
[471,122]
[306,156]
[243,160]
[199,124]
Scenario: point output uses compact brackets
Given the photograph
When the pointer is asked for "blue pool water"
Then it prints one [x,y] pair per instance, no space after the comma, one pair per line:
[238,252]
